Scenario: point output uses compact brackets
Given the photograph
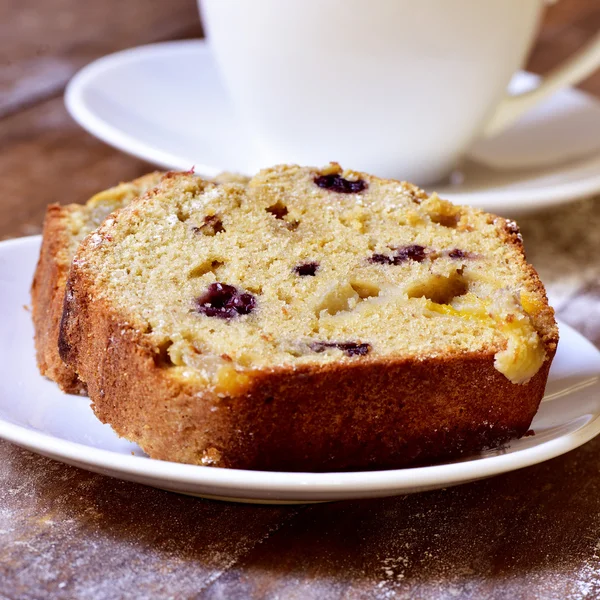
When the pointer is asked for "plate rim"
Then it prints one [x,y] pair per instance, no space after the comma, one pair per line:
[518,201]
[88,120]
[273,483]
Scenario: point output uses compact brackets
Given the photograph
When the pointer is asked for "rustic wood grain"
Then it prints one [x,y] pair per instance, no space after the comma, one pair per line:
[66,533]
[42,44]
[46,157]
[522,535]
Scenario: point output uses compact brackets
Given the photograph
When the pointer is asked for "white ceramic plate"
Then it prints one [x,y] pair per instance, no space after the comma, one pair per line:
[36,415]
[166,104]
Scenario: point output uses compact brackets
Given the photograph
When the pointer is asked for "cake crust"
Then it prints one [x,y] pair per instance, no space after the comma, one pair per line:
[401,413]
[60,237]
[376,412]
[47,297]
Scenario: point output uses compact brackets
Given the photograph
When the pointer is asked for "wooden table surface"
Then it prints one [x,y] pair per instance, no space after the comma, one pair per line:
[67,533]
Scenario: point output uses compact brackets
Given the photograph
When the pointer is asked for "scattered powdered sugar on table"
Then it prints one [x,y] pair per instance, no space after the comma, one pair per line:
[66,533]
[588,577]
[518,536]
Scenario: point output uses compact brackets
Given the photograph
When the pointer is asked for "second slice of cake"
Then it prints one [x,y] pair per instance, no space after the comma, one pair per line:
[64,228]
[314,319]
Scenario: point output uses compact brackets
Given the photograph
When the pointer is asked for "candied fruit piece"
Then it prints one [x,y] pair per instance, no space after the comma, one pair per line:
[336,183]
[441,211]
[224,301]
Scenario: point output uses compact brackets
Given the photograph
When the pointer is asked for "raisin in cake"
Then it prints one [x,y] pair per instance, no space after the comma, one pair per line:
[312,320]
[64,228]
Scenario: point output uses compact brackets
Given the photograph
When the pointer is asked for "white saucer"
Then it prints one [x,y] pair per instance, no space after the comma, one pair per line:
[36,415]
[165,103]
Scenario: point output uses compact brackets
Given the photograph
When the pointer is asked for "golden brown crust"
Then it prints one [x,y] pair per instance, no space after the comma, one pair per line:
[48,288]
[47,295]
[381,414]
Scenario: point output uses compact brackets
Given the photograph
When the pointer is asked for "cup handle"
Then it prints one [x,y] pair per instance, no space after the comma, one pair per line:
[572,71]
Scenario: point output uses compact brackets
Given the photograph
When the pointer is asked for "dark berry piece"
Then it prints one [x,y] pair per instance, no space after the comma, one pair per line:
[224,302]
[381,259]
[244,303]
[458,253]
[349,348]
[306,269]
[336,183]
[414,252]
[354,349]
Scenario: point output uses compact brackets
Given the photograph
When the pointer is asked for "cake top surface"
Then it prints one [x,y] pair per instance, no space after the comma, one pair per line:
[85,218]
[305,266]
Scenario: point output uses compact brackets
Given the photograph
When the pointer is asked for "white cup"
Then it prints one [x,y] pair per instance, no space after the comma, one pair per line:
[399,88]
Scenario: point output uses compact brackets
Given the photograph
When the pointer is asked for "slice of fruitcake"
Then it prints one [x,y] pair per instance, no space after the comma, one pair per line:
[312,320]
[64,228]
